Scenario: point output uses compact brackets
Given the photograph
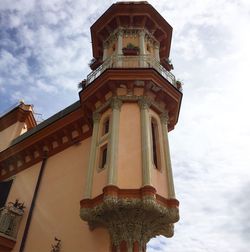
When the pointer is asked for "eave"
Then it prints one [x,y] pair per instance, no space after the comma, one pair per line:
[110,80]
[64,129]
[127,14]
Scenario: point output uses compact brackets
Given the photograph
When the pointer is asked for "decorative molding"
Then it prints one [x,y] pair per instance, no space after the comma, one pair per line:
[103,106]
[10,218]
[131,215]
[54,138]
[171,99]
[144,102]
[130,98]
[164,118]
[142,33]
[116,103]
[96,117]
[121,31]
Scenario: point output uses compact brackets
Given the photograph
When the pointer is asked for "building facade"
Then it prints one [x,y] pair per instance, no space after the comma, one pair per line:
[97,176]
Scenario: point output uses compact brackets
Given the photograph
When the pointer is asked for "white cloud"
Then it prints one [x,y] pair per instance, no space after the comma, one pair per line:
[45,87]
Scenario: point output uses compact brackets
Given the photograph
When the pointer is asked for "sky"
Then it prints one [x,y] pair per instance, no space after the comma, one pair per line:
[45,47]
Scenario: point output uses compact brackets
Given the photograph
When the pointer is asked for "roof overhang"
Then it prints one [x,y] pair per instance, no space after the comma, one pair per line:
[131,14]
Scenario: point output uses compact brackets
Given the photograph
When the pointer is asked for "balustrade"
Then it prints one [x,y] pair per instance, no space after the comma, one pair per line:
[10,218]
[139,61]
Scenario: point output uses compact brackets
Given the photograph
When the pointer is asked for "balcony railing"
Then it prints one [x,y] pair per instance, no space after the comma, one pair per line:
[140,61]
[10,218]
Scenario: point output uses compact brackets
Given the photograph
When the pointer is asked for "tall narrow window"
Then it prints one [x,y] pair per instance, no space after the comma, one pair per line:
[103,156]
[155,143]
[105,126]
[4,191]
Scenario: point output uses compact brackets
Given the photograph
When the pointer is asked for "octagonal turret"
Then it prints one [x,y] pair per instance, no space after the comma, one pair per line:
[131,100]
[131,18]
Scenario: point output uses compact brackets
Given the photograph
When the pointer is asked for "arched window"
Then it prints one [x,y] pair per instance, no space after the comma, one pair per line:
[155,143]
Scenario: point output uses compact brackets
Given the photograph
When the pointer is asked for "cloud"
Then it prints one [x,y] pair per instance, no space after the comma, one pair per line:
[47,42]
[45,87]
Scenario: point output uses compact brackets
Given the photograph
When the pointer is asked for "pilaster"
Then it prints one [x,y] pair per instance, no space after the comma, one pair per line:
[157,52]
[144,105]
[92,156]
[115,104]
[170,183]
[142,46]
[142,41]
[105,51]
[119,46]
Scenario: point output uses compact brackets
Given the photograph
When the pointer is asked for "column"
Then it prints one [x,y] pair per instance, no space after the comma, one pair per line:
[105,51]
[116,104]
[170,183]
[119,48]
[157,52]
[142,48]
[144,104]
[92,156]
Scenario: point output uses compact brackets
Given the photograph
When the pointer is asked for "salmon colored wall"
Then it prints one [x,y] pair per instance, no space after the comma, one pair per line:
[22,188]
[57,208]
[130,39]
[99,181]
[159,176]
[129,152]
[10,133]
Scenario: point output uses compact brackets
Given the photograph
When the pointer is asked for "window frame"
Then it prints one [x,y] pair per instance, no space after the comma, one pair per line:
[6,195]
[155,143]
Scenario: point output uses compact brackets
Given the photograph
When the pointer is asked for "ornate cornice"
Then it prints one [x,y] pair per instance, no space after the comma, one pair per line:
[163,93]
[61,134]
[131,215]
[130,31]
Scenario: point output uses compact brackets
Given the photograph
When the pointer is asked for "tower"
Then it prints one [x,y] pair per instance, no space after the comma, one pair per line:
[107,152]
[131,101]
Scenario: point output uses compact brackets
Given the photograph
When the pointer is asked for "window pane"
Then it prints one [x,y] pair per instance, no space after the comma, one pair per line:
[4,191]
[153,126]
[105,126]
[103,156]
[155,144]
